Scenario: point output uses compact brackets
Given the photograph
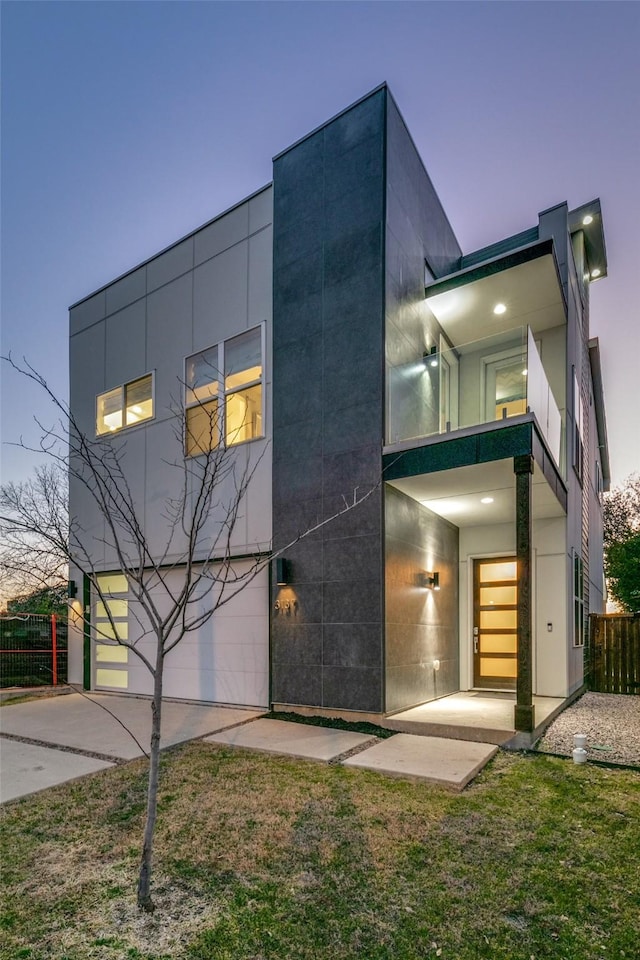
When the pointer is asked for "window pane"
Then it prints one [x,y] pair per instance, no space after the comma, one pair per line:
[113,583]
[139,400]
[498,667]
[498,619]
[119,609]
[243,359]
[111,653]
[498,643]
[202,428]
[105,631]
[490,572]
[112,678]
[244,415]
[498,595]
[109,411]
[202,375]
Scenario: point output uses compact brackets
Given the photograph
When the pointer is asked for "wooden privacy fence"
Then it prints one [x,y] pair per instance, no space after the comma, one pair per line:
[33,650]
[614,655]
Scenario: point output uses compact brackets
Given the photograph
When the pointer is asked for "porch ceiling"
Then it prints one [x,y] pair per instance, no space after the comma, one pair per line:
[456,494]
[530,292]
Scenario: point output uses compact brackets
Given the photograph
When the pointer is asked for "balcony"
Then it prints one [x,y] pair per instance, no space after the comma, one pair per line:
[481,381]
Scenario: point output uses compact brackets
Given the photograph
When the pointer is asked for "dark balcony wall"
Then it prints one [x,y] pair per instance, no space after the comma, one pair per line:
[328,272]
[417,229]
[421,625]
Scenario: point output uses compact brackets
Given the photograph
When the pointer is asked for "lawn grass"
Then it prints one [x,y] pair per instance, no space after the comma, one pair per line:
[267,858]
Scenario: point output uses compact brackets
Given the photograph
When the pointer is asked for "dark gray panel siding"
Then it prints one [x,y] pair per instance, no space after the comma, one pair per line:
[329,232]
[421,625]
[417,229]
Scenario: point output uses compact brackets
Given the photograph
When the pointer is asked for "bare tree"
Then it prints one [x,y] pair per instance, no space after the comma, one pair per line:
[28,564]
[177,588]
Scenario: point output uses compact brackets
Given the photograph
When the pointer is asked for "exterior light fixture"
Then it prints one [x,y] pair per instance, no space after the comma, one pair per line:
[282,571]
[499,309]
[430,357]
[595,273]
[72,589]
[587,220]
[431,581]
[487,500]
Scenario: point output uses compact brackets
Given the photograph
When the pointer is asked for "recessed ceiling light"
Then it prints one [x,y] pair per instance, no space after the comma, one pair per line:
[487,500]
[433,363]
[499,308]
[595,273]
[587,220]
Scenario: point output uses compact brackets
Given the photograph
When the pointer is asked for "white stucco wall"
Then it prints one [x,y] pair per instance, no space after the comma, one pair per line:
[549,598]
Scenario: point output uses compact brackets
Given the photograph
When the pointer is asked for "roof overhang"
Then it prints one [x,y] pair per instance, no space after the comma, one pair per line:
[588,218]
[479,494]
[526,282]
[598,402]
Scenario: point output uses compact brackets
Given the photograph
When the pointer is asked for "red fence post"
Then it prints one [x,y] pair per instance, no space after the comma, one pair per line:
[54,649]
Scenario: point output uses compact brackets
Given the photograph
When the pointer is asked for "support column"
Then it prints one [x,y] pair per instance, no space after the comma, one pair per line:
[524,710]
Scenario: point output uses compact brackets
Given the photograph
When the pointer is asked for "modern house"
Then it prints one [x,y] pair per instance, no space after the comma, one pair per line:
[358,351]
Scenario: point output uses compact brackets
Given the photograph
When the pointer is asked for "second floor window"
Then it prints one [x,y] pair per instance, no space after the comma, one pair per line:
[223,396]
[125,406]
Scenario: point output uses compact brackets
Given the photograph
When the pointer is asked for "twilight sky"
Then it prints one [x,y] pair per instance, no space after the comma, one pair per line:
[127,124]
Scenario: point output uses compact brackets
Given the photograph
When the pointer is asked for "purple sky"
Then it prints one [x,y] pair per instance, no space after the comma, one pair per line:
[126,125]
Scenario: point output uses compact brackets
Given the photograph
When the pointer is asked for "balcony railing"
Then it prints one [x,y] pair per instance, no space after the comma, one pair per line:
[453,388]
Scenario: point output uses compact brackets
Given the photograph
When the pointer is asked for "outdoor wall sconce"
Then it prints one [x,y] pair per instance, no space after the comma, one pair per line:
[430,357]
[282,571]
[431,581]
[72,589]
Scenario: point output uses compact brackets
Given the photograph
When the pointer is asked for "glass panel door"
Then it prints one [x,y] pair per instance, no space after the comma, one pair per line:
[495,623]
[505,385]
[111,625]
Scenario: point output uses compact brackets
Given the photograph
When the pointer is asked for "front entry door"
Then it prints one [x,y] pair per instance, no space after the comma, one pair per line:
[495,623]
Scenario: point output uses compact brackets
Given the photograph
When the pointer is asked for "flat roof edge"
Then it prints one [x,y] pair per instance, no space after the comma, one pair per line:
[510,258]
[600,411]
[341,113]
[175,243]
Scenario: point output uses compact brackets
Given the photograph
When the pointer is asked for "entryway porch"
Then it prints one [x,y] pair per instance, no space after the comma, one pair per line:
[481,716]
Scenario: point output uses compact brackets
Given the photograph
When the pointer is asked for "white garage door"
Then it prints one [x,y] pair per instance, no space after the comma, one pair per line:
[225,661]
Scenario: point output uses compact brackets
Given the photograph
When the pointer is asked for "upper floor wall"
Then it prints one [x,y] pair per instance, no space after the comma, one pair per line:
[200,293]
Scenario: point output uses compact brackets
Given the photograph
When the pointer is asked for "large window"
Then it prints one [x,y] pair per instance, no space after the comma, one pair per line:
[125,406]
[223,393]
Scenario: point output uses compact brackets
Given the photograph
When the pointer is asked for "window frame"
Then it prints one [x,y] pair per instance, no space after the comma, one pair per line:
[577,453]
[577,573]
[122,387]
[223,392]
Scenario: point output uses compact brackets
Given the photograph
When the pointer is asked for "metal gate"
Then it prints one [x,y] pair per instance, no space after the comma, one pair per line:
[33,650]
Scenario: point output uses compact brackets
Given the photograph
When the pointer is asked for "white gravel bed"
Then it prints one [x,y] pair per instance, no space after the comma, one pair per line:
[611,722]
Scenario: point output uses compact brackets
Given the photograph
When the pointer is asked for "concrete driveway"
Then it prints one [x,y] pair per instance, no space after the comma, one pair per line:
[62,738]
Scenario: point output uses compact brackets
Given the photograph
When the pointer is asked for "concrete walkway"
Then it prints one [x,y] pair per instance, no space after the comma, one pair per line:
[301,740]
[450,763]
[50,741]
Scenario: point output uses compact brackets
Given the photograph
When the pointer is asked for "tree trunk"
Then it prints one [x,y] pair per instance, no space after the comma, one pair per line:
[144,879]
